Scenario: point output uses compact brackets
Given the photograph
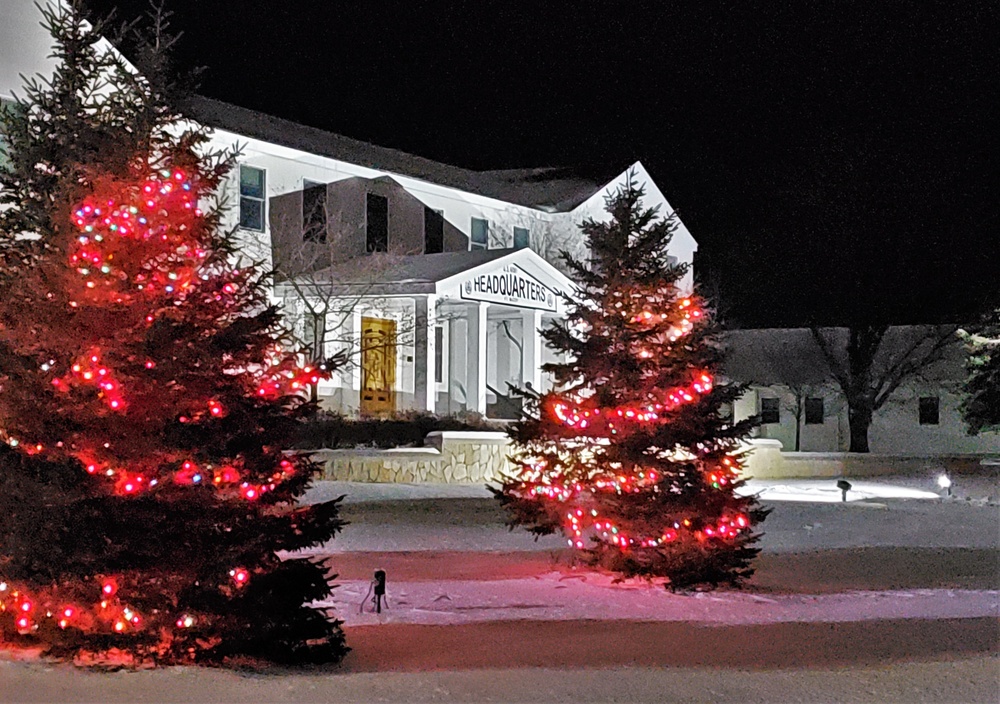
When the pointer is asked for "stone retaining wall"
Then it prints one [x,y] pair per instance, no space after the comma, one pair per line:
[767,461]
[451,457]
[454,457]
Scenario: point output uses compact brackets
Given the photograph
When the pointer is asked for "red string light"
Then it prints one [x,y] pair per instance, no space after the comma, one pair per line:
[144,246]
[583,522]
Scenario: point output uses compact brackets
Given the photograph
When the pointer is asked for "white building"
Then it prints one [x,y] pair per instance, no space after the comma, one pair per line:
[793,392]
[454,267]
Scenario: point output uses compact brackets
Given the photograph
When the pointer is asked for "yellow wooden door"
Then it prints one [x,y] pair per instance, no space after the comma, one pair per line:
[378,366]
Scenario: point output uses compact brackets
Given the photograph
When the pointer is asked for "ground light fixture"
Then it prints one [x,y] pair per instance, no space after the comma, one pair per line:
[844,486]
[944,481]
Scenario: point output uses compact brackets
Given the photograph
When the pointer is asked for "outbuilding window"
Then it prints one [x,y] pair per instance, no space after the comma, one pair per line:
[814,411]
[930,410]
[438,354]
[769,412]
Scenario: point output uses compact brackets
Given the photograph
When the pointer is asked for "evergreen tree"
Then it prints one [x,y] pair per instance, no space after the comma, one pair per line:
[631,455]
[981,406]
[146,398]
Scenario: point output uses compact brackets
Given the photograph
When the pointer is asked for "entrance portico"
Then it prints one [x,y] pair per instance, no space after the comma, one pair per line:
[467,326]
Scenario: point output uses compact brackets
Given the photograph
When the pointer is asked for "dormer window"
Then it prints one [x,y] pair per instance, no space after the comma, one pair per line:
[433,231]
[313,212]
[377,224]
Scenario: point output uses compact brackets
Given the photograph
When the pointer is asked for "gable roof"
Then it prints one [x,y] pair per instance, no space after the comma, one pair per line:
[791,356]
[416,268]
[386,274]
[548,189]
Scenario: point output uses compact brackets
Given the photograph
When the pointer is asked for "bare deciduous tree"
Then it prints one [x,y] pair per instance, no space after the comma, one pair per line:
[548,235]
[796,402]
[870,362]
[323,280]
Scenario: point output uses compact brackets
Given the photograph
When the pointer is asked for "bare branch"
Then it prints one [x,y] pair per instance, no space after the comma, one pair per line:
[839,371]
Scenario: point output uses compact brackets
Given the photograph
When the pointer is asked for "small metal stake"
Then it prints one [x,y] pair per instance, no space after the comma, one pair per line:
[379,583]
[378,586]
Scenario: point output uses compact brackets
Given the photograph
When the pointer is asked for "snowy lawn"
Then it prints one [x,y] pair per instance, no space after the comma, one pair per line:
[559,597]
[450,560]
[884,600]
[400,517]
[979,487]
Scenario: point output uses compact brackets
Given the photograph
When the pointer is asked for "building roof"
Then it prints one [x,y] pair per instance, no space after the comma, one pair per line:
[791,356]
[548,189]
[417,268]
[392,275]
[774,356]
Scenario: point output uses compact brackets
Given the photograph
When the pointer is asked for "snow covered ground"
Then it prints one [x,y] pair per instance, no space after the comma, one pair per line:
[954,680]
[431,523]
[984,486]
[559,597]
[894,597]
[406,517]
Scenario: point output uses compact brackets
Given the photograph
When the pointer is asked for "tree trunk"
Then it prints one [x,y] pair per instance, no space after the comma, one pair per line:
[859,417]
[798,422]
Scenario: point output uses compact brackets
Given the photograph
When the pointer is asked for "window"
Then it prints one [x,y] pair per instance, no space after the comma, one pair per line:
[433,232]
[378,223]
[769,411]
[930,410]
[521,237]
[252,189]
[439,354]
[480,234]
[313,212]
[814,411]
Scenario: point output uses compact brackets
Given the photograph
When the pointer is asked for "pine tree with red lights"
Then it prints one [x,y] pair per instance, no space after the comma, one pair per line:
[631,456]
[146,394]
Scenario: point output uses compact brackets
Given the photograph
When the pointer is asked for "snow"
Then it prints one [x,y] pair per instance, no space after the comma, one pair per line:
[442,517]
[895,550]
[560,597]
[882,599]
[810,490]
[826,491]
[953,680]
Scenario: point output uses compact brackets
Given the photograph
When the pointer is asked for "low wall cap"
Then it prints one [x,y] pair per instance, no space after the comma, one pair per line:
[496,436]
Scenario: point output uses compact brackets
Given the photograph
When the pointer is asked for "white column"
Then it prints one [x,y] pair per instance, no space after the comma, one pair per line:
[531,349]
[458,350]
[424,388]
[476,376]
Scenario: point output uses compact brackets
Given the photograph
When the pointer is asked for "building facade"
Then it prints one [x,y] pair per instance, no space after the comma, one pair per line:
[434,278]
[792,391]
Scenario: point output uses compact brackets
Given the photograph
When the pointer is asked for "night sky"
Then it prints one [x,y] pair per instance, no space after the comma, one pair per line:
[834,160]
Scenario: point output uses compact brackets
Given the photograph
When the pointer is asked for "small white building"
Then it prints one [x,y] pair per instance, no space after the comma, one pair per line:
[798,402]
[435,278]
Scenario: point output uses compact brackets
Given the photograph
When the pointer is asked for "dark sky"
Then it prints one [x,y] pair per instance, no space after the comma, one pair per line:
[834,160]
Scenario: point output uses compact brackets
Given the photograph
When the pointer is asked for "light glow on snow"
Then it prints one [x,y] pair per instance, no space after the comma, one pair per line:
[825,491]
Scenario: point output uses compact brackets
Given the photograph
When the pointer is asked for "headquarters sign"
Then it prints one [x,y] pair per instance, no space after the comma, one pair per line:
[511,286]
